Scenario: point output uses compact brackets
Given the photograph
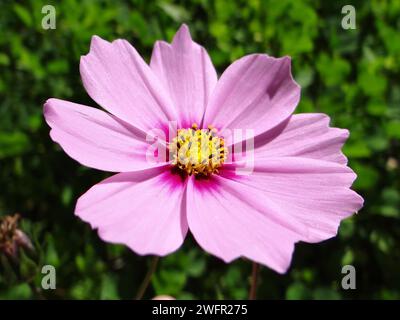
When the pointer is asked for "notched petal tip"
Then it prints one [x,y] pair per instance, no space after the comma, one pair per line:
[46,105]
[282,269]
[49,101]
[183,31]
[182,37]
[288,62]
[361,203]
[95,41]
[159,45]
[96,44]
[345,133]
[47,109]
[327,121]
[285,65]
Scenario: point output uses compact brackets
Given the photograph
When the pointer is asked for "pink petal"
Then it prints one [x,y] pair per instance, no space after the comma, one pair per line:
[185,68]
[227,223]
[262,215]
[305,135]
[315,193]
[143,210]
[95,138]
[118,79]
[255,92]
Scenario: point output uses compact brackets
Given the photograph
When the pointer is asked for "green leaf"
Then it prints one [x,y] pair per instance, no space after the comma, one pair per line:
[357,149]
[376,109]
[367,176]
[393,129]
[24,14]
[109,290]
[13,144]
[297,291]
[305,77]
[326,294]
[177,13]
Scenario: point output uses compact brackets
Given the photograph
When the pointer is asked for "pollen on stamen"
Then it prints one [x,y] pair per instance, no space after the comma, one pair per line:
[199,152]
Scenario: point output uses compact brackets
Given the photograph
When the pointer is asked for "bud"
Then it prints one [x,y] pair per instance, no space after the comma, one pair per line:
[12,238]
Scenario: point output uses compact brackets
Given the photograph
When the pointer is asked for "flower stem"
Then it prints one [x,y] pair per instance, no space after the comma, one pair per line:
[146,281]
[254,280]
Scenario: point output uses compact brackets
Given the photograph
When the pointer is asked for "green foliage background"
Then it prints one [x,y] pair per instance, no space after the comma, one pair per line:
[352,75]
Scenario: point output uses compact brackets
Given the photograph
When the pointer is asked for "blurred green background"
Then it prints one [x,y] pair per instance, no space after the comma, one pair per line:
[352,75]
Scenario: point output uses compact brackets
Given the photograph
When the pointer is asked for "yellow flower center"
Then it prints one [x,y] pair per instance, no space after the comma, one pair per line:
[198,151]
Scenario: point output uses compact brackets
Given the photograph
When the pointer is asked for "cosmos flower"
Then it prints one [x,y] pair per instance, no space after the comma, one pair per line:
[299,185]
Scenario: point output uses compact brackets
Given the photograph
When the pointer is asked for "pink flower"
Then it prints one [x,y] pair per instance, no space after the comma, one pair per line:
[299,189]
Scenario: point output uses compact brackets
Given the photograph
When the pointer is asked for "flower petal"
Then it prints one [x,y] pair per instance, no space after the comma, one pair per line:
[143,210]
[255,92]
[305,135]
[185,68]
[262,215]
[226,222]
[118,79]
[95,138]
[315,193]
